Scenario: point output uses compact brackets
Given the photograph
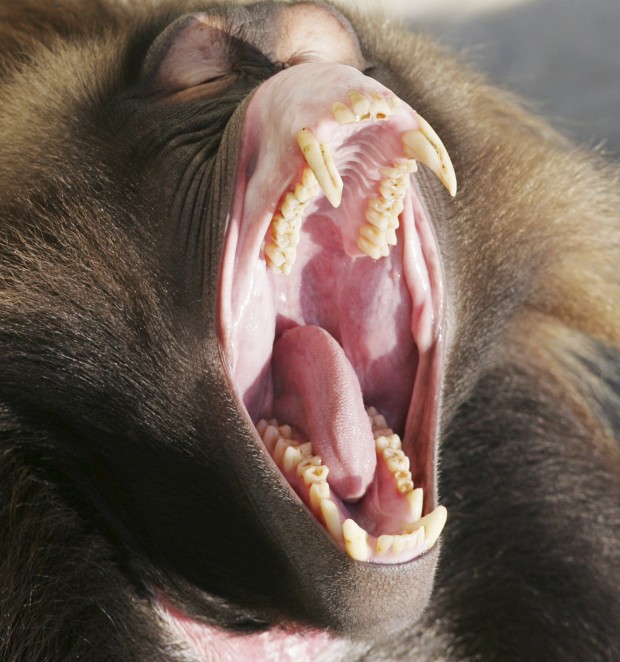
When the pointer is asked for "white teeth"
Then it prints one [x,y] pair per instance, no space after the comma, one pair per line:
[379,232]
[425,145]
[415,501]
[419,534]
[343,114]
[360,104]
[320,160]
[284,229]
[318,492]
[331,517]
[433,524]
[291,458]
[315,475]
[308,461]
[364,107]
[384,544]
[355,541]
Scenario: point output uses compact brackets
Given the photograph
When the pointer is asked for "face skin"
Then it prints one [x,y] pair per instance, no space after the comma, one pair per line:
[277,290]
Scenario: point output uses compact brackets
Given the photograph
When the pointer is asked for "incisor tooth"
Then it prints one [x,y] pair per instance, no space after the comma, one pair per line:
[355,540]
[425,145]
[398,544]
[342,113]
[320,160]
[360,104]
[384,543]
[378,106]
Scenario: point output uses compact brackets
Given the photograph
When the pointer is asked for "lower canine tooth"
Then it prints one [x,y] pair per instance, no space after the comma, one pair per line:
[320,160]
[433,524]
[355,540]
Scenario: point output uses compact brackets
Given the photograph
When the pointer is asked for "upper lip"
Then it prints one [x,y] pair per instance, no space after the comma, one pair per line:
[272,158]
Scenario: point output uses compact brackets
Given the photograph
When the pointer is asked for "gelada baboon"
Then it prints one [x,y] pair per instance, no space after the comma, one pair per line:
[280,293]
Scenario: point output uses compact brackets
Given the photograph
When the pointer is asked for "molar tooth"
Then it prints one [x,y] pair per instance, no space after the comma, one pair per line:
[318,492]
[390,237]
[308,180]
[355,539]
[261,427]
[384,543]
[320,160]
[308,461]
[374,235]
[415,502]
[274,255]
[360,104]
[331,517]
[404,484]
[396,462]
[342,113]
[302,194]
[368,248]
[377,219]
[290,206]
[372,411]
[425,145]
[386,432]
[315,475]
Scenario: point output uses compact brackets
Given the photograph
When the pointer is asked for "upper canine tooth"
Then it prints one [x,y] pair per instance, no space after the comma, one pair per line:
[320,160]
[425,145]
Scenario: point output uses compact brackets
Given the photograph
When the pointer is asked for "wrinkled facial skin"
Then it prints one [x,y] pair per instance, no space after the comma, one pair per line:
[140,512]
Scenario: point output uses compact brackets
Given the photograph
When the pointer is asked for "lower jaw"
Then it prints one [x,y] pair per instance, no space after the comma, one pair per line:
[386,525]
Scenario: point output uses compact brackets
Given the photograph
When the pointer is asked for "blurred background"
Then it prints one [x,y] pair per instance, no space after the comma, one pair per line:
[563,56]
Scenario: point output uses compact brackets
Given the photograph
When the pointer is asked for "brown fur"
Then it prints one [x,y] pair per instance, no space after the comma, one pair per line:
[114,461]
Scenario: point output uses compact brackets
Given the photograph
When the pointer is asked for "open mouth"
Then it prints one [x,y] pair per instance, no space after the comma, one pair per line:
[332,303]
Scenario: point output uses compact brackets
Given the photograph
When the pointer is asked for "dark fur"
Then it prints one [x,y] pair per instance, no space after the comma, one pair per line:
[120,450]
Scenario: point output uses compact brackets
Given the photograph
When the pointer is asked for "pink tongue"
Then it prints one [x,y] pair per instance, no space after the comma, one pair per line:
[317,392]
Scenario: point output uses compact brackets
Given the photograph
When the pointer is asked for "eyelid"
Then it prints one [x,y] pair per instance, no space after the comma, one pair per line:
[194,50]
